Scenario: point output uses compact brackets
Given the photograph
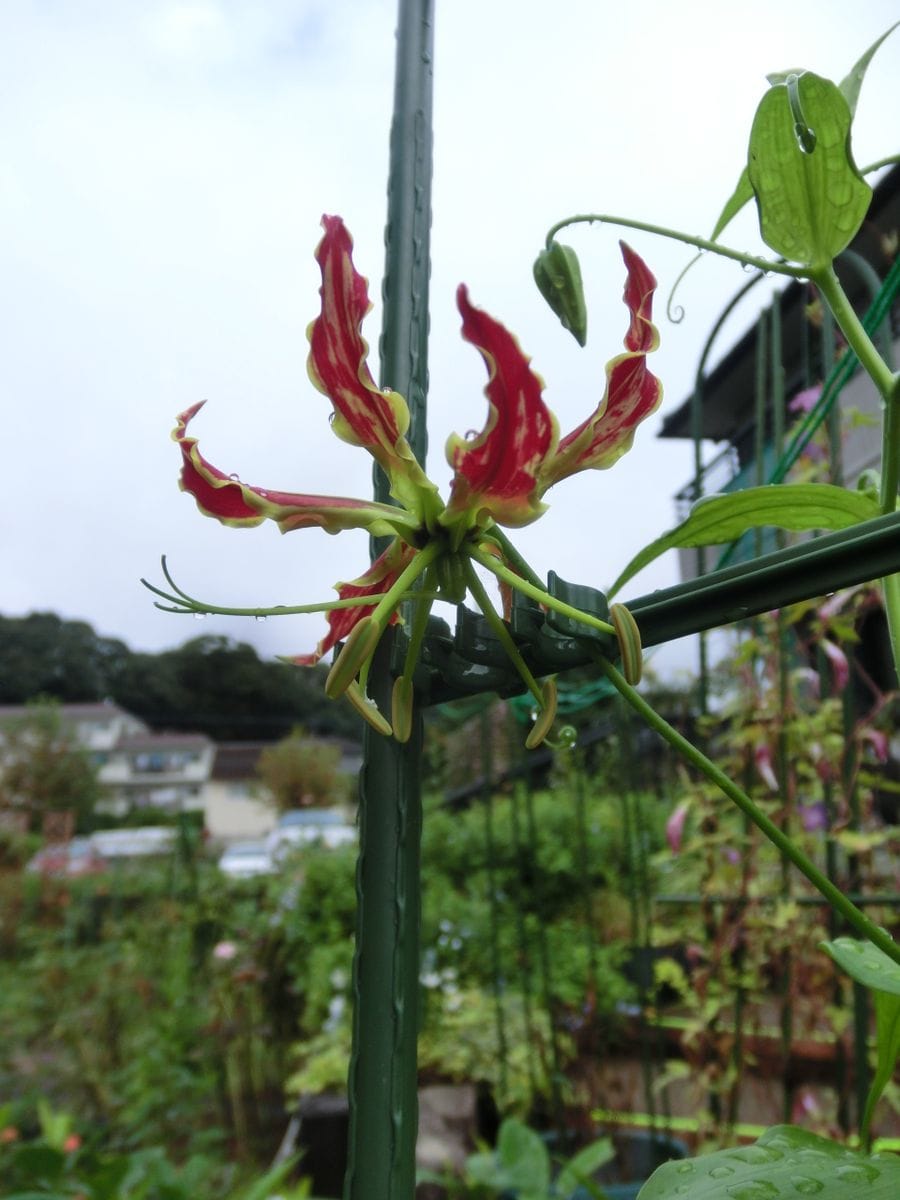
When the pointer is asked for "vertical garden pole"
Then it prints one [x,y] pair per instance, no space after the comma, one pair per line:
[382,1079]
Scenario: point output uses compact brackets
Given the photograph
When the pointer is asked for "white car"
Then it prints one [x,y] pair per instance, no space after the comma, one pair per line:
[246,860]
[308,826]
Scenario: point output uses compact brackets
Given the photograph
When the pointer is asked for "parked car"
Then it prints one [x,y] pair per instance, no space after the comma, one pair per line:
[246,860]
[146,841]
[306,826]
[71,859]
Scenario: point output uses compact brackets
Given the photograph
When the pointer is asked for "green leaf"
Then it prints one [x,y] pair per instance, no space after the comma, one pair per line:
[722,518]
[784,1162]
[264,1187]
[887,1040]
[524,1158]
[581,1167]
[874,970]
[852,83]
[811,198]
[741,195]
[44,1164]
[865,963]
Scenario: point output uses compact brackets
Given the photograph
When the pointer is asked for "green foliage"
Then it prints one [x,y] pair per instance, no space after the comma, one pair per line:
[520,1167]
[44,769]
[299,771]
[210,684]
[784,1162]
[56,1165]
[724,518]
[874,970]
[161,1011]
[849,88]
[811,198]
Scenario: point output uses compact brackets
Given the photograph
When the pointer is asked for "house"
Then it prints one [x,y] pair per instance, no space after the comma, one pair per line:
[157,770]
[178,772]
[136,768]
[235,802]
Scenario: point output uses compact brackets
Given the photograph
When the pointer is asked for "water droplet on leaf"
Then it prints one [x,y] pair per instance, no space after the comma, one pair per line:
[805,1185]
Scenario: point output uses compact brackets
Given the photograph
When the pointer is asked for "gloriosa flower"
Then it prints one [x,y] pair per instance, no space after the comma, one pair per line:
[500,476]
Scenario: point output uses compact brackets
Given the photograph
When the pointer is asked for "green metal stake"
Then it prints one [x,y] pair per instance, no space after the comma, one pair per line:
[382,1080]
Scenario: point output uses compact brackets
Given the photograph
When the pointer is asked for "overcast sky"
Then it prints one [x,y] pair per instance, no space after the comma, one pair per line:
[165,165]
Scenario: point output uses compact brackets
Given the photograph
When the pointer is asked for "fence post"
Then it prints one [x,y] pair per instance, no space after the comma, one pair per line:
[382,1080]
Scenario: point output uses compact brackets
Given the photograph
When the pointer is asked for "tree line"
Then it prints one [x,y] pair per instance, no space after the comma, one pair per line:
[209,684]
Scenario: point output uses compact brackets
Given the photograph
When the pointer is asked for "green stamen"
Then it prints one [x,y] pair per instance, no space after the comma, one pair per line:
[504,637]
[537,593]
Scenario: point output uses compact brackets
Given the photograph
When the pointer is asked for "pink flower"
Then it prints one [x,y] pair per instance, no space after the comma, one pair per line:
[224,951]
[806,400]
[763,759]
[675,826]
[878,740]
[837,660]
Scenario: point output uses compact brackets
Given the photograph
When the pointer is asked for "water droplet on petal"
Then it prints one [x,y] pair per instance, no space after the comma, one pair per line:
[721,1172]
[235,478]
[262,492]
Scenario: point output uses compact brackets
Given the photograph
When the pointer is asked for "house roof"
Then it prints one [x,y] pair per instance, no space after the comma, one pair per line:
[728,390]
[237,760]
[89,710]
[163,741]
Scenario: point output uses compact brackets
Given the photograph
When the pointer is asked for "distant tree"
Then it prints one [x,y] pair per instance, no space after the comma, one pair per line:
[41,654]
[44,769]
[301,772]
[210,684]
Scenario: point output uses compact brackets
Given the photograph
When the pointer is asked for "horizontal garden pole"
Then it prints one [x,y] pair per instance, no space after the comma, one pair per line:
[862,554]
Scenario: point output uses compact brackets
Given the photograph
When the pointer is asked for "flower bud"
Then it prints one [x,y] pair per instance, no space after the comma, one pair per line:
[558,276]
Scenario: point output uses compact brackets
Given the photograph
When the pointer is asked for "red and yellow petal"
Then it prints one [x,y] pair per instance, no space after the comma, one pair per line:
[497,471]
[632,391]
[235,503]
[381,575]
[365,415]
